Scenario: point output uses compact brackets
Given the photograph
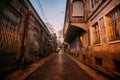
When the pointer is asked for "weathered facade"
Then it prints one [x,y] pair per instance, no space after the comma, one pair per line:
[24,38]
[53,42]
[92,33]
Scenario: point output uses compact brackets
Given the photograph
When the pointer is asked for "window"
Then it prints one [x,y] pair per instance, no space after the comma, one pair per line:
[36,35]
[117,65]
[78,9]
[98,61]
[92,4]
[113,24]
[96,34]
[95,3]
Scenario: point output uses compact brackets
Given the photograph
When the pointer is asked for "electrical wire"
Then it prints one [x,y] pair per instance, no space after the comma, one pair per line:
[41,10]
[39,3]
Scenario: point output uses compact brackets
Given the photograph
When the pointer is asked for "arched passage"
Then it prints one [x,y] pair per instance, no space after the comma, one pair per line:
[72,33]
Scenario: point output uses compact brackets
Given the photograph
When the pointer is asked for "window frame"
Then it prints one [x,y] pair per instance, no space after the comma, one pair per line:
[96,39]
[115,35]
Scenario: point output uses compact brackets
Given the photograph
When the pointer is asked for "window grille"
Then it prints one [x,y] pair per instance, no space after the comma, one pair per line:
[113,24]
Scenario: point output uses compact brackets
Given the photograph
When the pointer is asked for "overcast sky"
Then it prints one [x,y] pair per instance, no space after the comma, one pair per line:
[54,11]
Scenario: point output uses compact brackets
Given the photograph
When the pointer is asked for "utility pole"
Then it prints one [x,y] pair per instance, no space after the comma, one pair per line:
[24,44]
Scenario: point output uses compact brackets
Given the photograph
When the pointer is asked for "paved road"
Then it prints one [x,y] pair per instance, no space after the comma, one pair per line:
[59,67]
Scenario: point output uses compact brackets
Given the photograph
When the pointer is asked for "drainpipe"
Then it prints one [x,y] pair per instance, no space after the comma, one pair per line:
[24,44]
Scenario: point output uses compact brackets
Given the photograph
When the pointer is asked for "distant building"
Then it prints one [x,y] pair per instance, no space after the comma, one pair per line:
[92,32]
[53,42]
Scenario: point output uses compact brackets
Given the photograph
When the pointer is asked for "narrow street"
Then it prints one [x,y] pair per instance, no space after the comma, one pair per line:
[59,39]
[60,67]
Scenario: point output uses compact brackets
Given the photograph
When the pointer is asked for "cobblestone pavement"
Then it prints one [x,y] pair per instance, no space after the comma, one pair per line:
[59,67]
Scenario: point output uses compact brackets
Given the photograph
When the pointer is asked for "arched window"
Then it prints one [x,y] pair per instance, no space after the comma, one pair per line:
[78,9]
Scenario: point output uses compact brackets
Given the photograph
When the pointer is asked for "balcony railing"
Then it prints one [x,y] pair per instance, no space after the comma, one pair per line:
[77,19]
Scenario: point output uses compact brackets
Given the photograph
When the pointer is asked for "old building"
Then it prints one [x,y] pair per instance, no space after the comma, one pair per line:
[92,33]
[24,37]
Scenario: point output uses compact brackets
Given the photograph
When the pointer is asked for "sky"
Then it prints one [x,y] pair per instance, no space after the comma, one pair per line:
[52,11]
